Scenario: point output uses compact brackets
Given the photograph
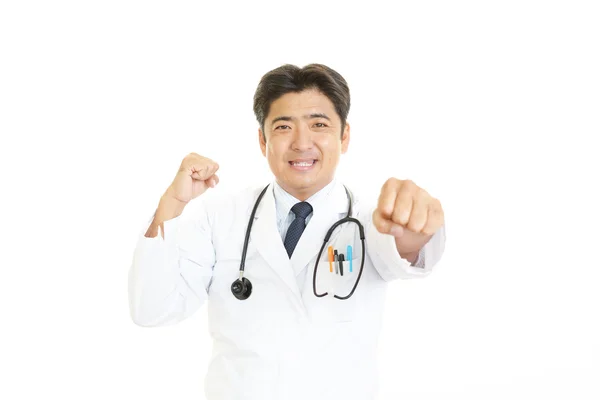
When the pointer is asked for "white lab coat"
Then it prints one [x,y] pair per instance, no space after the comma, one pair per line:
[283,343]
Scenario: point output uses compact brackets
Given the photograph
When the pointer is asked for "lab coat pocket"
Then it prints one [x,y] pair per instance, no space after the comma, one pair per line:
[330,308]
[336,279]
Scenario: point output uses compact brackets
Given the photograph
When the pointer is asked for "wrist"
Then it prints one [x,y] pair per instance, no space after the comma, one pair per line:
[412,257]
[168,208]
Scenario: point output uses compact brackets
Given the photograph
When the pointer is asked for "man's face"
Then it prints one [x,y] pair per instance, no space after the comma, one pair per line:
[303,142]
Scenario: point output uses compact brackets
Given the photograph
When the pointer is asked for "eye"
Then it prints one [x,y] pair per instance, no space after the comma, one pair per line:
[322,125]
[281,126]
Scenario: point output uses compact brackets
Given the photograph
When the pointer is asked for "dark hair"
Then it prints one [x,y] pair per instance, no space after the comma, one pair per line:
[290,78]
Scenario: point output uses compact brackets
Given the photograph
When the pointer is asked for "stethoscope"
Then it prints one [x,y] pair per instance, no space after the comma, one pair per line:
[242,287]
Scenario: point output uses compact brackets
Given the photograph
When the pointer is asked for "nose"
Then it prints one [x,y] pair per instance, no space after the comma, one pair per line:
[302,139]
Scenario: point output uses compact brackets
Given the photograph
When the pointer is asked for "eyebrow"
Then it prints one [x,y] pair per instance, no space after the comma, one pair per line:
[308,116]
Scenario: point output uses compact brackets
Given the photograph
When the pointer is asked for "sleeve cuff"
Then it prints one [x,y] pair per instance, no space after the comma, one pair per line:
[171,232]
[390,265]
[420,261]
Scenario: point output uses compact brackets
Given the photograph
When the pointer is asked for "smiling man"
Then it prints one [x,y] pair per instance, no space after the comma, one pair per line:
[285,324]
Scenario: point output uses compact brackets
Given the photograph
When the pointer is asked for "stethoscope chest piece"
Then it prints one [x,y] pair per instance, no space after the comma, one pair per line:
[241,288]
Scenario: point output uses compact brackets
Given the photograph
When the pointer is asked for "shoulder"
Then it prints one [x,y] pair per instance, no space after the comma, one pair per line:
[363,202]
[230,202]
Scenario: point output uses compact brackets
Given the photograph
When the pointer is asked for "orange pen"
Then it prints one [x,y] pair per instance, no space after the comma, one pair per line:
[330,251]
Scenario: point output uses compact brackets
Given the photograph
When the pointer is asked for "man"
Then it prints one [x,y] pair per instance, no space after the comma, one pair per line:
[275,334]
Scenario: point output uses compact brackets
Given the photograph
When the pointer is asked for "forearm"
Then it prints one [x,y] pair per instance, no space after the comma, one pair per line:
[169,275]
[168,208]
[153,280]
[393,264]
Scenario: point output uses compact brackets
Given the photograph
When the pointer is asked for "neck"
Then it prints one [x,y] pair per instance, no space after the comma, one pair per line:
[303,194]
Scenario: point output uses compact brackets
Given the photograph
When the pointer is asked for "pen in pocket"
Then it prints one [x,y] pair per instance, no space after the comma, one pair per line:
[335,261]
[349,251]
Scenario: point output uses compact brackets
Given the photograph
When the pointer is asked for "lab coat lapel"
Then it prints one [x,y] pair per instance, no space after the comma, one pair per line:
[325,214]
[267,240]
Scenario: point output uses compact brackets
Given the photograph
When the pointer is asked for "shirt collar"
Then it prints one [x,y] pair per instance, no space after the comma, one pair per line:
[285,201]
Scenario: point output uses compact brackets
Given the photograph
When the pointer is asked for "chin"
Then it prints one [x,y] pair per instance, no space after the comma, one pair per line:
[295,185]
[306,186]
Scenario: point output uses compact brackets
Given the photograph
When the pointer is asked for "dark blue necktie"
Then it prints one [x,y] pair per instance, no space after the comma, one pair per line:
[301,210]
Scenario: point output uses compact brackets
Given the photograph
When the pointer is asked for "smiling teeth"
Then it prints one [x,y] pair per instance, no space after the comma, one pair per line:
[303,164]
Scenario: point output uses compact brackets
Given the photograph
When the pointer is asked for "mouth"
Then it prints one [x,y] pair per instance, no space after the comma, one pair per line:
[303,165]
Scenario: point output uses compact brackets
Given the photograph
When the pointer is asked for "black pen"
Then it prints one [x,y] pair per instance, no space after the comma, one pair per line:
[341,260]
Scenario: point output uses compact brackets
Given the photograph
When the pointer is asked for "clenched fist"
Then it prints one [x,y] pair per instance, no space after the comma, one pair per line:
[196,174]
[408,213]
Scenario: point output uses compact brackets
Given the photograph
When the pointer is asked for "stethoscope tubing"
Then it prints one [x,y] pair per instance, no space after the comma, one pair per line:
[242,287]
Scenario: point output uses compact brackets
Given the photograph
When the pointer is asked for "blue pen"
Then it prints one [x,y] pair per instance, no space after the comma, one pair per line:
[349,251]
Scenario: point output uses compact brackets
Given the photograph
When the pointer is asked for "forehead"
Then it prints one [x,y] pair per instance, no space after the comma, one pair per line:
[296,104]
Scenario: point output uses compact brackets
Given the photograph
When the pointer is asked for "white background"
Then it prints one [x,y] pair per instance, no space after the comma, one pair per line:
[493,107]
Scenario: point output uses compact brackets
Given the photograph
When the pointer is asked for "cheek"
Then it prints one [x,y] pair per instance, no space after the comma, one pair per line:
[330,148]
[275,151]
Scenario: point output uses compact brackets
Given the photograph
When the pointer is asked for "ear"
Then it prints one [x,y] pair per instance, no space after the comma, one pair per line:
[346,138]
[261,141]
